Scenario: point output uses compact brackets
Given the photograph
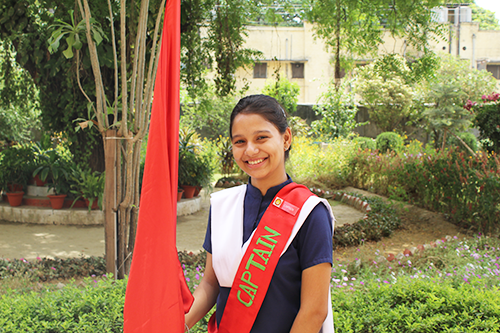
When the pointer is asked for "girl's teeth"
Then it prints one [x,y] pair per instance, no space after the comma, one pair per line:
[255,162]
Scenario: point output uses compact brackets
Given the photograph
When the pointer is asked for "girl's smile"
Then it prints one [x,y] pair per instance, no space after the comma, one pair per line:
[259,150]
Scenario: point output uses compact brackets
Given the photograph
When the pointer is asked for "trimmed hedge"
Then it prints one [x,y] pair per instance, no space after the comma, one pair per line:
[365,143]
[381,222]
[389,141]
[413,305]
[97,307]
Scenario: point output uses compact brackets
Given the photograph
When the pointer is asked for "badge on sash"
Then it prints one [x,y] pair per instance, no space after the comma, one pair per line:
[285,206]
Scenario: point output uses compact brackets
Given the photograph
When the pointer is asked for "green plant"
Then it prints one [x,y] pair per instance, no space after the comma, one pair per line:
[284,91]
[53,167]
[87,184]
[385,90]
[16,165]
[487,118]
[389,141]
[337,110]
[225,153]
[194,169]
[365,143]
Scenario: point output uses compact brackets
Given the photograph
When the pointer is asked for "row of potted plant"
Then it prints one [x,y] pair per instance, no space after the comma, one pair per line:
[20,164]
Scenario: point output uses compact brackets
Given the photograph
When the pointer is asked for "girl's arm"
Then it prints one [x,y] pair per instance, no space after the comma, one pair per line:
[313,299]
[205,295]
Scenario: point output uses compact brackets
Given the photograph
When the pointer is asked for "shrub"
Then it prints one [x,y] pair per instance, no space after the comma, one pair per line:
[389,141]
[365,143]
[381,221]
[487,120]
[285,92]
[416,305]
[97,307]
[312,161]
[337,110]
[466,188]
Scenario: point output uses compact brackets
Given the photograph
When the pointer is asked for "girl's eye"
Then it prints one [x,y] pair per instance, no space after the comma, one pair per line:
[262,137]
[238,142]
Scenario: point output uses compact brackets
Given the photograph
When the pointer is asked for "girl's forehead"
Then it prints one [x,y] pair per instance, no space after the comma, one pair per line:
[245,120]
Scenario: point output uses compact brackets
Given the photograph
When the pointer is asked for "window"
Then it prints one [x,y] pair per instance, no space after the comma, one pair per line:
[260,71]
[495,70]
[298,71]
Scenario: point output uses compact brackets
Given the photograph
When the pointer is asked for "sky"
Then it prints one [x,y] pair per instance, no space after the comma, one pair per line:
[493,5]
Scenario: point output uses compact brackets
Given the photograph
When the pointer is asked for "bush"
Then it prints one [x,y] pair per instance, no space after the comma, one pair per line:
[389,141]
[365,143]
[323,164]
[466,188]
[487,120]
[381,222]
[285,92]
[97,307]
[415,305]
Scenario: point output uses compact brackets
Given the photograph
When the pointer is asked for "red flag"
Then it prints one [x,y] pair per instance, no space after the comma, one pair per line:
[157,295]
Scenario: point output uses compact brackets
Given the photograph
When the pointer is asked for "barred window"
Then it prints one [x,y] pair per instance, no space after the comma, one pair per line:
[298,70]
[495,70]
[260,70]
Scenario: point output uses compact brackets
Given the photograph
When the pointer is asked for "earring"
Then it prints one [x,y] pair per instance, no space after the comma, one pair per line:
[286,148]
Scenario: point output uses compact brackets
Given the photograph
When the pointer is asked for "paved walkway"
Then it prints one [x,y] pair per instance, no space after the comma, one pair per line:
[29,241]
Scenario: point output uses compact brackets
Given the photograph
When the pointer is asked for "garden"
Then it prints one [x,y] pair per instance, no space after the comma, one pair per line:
[448,285]
[436,149]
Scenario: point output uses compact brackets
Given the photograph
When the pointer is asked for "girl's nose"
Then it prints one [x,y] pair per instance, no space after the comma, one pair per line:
[252,149]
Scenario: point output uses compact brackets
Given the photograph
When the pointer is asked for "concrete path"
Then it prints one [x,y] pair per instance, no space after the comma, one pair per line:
[29,241]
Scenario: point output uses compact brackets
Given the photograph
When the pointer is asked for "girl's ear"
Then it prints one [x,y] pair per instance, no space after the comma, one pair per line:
[287,138]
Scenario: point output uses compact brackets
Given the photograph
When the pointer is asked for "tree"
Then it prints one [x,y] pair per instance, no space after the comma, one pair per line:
[486,18]
[337,109]
[285,92]
[448,114]
[19,112]
[353,28]
[385,89]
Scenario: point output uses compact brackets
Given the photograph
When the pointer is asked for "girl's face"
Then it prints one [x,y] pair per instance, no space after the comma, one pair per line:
[259,150]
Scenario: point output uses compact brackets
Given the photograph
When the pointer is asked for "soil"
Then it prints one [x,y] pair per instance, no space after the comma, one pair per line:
[418,227]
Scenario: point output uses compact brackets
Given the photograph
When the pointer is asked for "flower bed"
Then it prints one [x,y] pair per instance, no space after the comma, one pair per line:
[466,188]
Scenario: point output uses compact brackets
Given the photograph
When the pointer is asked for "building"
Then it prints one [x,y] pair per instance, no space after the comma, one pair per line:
[301,57]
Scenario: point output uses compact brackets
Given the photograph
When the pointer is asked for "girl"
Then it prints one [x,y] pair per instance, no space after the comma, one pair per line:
[269,243]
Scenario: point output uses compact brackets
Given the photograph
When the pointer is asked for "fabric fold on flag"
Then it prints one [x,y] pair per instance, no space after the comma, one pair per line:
[157,295]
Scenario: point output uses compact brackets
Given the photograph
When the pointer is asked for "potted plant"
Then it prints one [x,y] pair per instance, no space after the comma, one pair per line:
[41,151]
[14,166]
[187,163]
[54,170]
[88,185]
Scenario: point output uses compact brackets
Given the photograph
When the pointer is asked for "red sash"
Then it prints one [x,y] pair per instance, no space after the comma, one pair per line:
[257,266]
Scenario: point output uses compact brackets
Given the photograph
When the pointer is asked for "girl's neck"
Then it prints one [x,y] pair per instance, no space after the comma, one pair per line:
[264,185]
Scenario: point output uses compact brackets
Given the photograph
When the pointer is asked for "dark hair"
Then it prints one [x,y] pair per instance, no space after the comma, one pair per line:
[266,106]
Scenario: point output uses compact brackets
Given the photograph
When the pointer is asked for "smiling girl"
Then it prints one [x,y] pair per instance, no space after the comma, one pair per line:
[269,242]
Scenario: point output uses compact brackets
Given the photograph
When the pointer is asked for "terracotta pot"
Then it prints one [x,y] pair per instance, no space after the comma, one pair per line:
[188,191]
[180,192]
[197,191]
[15,187]
[57,201]
[38,181]
[15,198]
[94,204]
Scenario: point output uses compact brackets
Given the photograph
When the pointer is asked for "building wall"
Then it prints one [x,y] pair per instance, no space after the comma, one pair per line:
[284,46]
